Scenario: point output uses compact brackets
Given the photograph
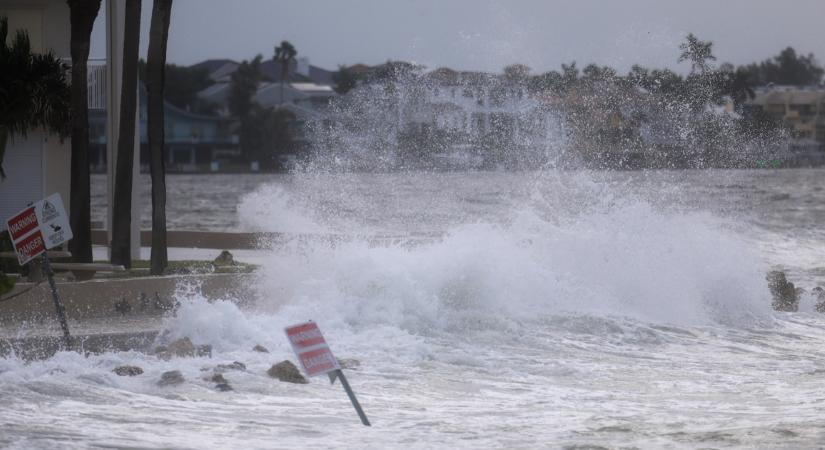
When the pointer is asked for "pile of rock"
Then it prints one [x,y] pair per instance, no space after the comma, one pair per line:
[284,371]
[182,348]
[786,296]
[784,293]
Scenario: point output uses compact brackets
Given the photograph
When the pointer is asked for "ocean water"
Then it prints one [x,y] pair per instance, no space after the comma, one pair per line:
[513,310]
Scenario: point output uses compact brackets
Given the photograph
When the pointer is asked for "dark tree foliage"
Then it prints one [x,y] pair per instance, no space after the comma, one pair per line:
[345,80]
[243,86]
[394,71]
[786,68]
[269,133]
[285,56]
[517,73]
[182,85]
[697,53]
[34,91]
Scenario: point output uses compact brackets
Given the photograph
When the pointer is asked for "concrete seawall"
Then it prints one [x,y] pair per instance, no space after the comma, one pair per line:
[104,315]
[98,298]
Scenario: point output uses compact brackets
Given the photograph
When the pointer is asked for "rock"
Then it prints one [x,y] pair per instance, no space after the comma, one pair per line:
[225,259]
[218,378]
[127,371]
[143,301]
[237,365]
[286,371]
[349,363]
[123,307]
[819,292]
[204,350]
[171,378]
[223,387]
[182,348]
[783,292]
[260,348]
[163,304]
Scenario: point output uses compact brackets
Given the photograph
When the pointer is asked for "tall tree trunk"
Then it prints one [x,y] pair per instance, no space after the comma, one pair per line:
[4,135]
[155,74]
[82,17]
[122,211]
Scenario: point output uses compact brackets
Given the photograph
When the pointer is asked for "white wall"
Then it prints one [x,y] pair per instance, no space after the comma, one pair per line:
[38,165]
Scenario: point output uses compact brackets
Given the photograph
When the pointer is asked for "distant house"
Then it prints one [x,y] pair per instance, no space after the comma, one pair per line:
[300,70]
[219,70]
[309,96]
[802,110]
[307,92]
[193,141]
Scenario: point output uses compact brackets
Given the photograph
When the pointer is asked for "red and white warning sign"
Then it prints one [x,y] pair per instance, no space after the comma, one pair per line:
[41,226]
[311,349]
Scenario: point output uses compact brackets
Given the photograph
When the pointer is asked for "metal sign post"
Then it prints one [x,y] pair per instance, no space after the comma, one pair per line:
[58,304]
[316,359]
[340,374]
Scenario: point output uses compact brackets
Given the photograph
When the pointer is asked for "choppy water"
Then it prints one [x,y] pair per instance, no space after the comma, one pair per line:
[552,310]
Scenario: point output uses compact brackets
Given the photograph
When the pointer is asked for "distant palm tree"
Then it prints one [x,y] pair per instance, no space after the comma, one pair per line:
[697,52]
[122,210]
[82,15]
[155,74]
[34,91]
[285,56]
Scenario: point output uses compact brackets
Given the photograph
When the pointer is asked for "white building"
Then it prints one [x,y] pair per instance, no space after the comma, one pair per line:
[39,164]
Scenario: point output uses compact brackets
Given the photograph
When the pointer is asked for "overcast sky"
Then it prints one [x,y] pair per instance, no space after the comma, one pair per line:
[487,35]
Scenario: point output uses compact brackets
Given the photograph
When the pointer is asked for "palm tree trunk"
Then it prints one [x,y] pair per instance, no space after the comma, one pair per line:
[122,211]
[4,135]
[82,17]
[155,74]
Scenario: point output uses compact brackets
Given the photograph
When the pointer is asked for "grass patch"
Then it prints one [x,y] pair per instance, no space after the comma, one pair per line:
[140,268]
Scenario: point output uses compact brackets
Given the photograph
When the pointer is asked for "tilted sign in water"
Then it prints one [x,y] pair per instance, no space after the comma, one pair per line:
[311,349]
[316,358]
[41,226]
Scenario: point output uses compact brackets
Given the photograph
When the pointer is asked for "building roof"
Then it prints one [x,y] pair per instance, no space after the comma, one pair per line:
[299,71]
[792,96]
[212,64]
[321,76]
[271,69]
[312,88]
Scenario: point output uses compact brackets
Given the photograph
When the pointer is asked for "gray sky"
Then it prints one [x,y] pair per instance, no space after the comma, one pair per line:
[485,34]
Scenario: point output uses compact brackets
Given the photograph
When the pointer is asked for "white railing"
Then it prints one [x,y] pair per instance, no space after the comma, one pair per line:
[96,83]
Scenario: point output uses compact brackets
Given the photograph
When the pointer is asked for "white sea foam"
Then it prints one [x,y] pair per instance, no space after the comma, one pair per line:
[628,261]
[271,208]
[574,306]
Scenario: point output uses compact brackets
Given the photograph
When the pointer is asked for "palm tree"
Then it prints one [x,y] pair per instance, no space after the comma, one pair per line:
[697,52]
[155,74]
[122,211]
[82,14]
[33,90]
[285,56]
